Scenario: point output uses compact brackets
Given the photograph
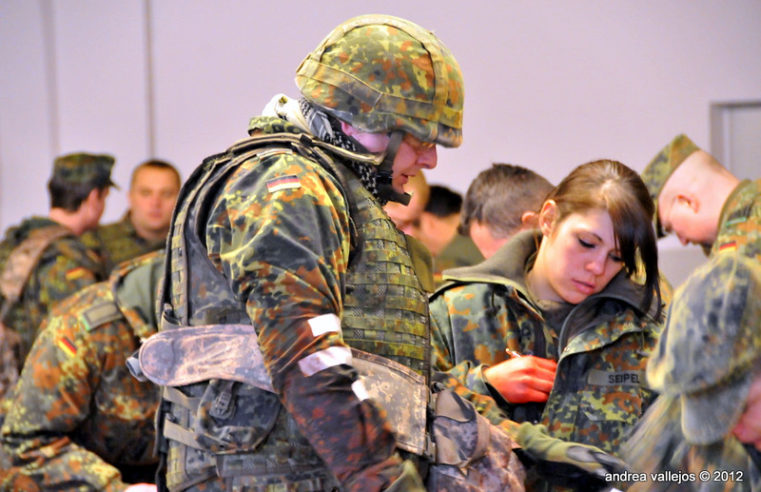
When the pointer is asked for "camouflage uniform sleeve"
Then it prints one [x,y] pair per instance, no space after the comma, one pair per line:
[444,355]
[66,267]
[52,399]
[465,378]
[280,234]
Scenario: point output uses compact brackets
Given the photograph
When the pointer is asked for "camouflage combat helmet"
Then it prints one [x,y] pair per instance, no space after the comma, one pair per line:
[383,74]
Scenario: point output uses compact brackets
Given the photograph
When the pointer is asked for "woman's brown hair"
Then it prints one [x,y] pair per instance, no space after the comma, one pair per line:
[610,185]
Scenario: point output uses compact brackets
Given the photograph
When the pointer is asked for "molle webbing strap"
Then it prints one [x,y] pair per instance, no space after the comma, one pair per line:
[219,164]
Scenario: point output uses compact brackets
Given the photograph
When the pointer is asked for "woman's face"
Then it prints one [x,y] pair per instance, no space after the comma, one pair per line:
[579,255]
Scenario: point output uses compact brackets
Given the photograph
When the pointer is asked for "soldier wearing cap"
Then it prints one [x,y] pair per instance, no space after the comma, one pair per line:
[42,260]
[143,228]
[702,202]
[704,366]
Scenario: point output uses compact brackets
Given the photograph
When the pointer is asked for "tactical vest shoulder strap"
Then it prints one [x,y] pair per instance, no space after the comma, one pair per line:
[217,166]
[22,261]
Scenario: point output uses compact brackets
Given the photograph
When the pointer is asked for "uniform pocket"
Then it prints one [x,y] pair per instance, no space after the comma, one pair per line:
[233,417]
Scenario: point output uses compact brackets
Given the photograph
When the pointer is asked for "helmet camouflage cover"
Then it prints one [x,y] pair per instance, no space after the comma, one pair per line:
[381,73]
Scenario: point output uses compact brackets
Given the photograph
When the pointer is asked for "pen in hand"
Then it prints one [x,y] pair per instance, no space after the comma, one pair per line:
[512,353]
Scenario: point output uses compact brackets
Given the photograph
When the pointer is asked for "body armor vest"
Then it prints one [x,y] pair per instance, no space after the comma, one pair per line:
[241,432]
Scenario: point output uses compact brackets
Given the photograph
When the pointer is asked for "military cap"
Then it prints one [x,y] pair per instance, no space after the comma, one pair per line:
[79,168]
[710,349]
[662,166]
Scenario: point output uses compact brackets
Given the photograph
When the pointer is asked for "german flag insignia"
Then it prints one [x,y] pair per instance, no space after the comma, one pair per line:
[76,273]
[728,247]
[67,346]
[283,183]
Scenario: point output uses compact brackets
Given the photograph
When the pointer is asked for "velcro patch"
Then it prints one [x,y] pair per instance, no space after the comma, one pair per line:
[283,183]
[100,314]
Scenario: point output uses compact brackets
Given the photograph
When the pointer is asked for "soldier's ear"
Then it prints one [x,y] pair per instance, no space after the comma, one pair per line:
[529,220]
[689,200]
[547,217]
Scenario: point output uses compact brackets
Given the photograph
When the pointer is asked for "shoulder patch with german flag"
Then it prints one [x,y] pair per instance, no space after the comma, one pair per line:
[283,183]
[76,273]
[67,346]
[728,247]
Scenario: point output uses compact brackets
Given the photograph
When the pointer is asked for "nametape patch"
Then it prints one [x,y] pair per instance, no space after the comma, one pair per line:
[607,378]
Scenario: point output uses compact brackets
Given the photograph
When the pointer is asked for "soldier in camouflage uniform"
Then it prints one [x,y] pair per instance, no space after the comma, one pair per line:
[704,366]
[500,202]
[579,328]
[77,418]
[702,202]
[152,194]
[78,190]
[438,231]
[284,234]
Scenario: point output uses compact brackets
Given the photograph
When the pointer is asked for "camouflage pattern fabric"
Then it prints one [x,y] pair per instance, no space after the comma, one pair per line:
[81,168]
[65,266]
[740,222]
[77,418]
[461,251]
[710,350]
[9,343]
[278,227]
[601,345]
[118,242]
[421,89]
[662,460]
[703,365]
[658,171]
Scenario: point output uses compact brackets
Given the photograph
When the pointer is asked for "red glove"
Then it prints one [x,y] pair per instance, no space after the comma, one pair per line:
[523,379]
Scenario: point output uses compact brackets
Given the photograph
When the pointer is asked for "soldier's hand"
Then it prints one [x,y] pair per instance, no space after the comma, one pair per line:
[523,379]
[568,464]
[748,428]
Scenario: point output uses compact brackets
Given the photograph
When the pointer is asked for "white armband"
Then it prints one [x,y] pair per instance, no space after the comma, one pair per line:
[325,323]
[323,359]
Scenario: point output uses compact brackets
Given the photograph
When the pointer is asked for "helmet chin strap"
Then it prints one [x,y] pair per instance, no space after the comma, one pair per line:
[386,172]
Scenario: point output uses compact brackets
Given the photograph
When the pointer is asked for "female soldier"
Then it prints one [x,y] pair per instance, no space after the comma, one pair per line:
[552,326]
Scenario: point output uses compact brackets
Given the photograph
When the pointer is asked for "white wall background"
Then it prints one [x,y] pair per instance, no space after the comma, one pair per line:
[549,84]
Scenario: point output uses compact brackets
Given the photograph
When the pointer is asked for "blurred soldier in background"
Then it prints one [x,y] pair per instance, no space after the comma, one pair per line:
[77,418]
[702,202]
[502,201]
[152,194]
[438,231]
[705,363]
[43,261]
